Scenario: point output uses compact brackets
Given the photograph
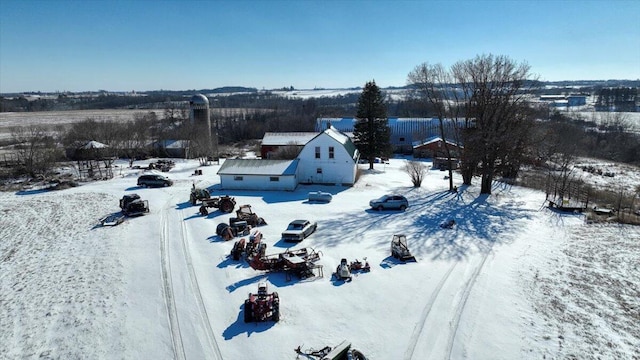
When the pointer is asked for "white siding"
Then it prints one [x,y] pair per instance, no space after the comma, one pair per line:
[257,182]
[339,170]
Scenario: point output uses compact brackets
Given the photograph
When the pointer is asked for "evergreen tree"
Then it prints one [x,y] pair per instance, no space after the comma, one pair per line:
[371,131]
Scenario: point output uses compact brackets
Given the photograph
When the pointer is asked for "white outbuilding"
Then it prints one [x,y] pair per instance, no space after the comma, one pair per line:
[258,174]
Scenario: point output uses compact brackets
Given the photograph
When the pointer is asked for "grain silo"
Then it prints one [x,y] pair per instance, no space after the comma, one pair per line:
[201,122]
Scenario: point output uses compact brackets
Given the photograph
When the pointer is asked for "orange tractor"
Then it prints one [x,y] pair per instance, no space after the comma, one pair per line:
[262,306]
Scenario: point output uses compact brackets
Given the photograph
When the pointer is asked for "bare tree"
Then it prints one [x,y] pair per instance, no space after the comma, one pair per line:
[416,171]
[494,90]
[36,149]
[433,85]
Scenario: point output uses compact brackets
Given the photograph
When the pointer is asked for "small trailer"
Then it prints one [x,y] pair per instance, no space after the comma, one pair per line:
[319,196]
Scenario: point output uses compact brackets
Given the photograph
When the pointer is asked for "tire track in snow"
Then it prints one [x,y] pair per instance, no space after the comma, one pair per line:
[417,330]
[463,301]
[197,293]
[169,297]
[457,314]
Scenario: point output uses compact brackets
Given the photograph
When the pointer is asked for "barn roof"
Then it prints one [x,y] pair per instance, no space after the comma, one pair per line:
[343,139]
[94,145]
[287,138]
[434,139]
[258,167]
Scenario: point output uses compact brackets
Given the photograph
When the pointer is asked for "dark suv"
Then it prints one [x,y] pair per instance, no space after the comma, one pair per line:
[154,181]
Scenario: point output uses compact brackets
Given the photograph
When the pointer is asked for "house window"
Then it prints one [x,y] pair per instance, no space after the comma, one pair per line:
[237,178]
[319,171]
[317,152]
[402,139]
[274,178]
[330,152]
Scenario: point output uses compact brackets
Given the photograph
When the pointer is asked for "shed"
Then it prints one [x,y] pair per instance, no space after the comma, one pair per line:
[258,174]
[433,147]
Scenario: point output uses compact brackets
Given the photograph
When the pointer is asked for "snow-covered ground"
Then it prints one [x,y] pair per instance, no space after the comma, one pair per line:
[512,280]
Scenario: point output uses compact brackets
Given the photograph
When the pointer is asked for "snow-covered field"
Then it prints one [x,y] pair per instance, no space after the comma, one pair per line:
[512,280]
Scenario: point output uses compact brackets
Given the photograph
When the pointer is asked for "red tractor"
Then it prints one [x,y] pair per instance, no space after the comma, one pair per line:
[262,306]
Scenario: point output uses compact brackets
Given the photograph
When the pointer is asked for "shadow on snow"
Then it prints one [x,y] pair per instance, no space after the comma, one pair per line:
[479,223]
[239,326]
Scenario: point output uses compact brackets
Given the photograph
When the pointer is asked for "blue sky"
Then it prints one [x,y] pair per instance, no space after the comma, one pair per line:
[55,45]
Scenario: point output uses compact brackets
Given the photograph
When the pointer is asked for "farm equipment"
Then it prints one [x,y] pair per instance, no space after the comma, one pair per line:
[225,203]
[238,249]
[250,248]
[162,165]
[399,248]
[345,270]
[130,205]
[229,231]
[262,306]
[198,194]
[299,262]
[359,266]
[244,213]
[342,351]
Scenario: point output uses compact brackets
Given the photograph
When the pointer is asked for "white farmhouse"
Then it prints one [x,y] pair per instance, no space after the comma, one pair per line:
[328,158]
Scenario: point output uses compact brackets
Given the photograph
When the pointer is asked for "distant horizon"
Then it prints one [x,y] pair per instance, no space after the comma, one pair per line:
[274,89]
[71,46]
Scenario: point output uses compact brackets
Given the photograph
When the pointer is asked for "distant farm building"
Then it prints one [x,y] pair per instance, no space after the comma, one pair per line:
[171,148]
[435,147]
[404,131]
[564,100]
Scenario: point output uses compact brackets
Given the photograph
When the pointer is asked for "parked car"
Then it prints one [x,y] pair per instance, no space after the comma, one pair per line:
[390,202]
[298,230]
[154,180]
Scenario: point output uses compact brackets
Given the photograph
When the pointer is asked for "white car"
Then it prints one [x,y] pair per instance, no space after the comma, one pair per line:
[298,230]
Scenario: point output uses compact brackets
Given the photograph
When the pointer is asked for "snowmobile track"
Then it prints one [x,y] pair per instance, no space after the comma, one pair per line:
[169,298]
[460,307]
[417,330]
[197,293]
[457,315]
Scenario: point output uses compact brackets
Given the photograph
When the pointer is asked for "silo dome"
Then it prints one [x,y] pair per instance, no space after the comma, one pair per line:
[199,99]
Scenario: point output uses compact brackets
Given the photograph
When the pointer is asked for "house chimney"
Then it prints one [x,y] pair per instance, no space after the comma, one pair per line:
[328,124]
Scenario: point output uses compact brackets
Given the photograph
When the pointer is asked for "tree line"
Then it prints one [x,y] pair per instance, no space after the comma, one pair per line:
[501,131]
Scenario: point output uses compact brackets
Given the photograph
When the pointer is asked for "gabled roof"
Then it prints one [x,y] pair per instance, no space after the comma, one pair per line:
[287,138]
[258,167]
[434,139]
[342,138]
[94,145]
